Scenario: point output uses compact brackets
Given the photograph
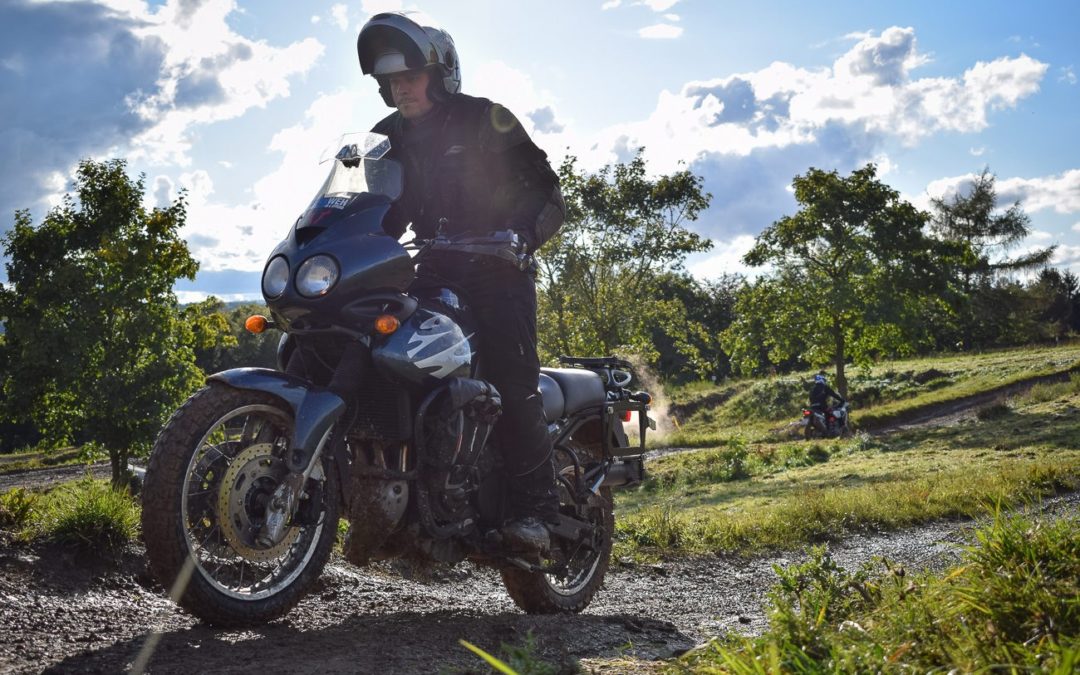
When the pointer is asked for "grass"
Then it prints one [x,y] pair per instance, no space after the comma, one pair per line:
[1012,605]
[86,513]
[521,659]
[752,495]
[45,459]
[880,394]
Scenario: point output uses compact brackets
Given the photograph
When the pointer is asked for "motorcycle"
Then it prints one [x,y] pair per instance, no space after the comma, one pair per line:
[832,423]
[378,413]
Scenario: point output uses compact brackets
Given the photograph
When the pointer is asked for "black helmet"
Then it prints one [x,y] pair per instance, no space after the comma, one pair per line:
[391,43]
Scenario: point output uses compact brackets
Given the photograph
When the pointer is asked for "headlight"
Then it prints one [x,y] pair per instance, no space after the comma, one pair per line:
[317,275]
[275,277]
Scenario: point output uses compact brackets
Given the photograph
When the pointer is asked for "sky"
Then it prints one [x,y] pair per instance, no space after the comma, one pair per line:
[235,100]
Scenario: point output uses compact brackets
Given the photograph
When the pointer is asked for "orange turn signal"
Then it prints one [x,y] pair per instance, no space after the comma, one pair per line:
[255,323]
[386,324]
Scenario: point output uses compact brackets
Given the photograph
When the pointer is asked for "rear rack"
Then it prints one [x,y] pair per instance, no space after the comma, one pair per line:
[595,362]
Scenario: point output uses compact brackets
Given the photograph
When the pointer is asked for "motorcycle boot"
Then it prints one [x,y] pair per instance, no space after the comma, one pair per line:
[534,504]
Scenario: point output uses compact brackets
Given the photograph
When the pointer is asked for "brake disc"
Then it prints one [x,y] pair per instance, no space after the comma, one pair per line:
[246,489]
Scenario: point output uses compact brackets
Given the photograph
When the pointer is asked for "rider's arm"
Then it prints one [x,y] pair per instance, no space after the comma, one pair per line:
[530,199]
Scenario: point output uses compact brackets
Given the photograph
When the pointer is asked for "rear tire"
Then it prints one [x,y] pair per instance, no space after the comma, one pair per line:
[204,489]
[539,593]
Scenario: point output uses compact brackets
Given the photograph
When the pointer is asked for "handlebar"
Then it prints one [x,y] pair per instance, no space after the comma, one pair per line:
[506,246]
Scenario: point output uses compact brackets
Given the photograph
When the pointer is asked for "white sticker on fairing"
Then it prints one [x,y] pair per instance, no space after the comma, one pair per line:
[335,202]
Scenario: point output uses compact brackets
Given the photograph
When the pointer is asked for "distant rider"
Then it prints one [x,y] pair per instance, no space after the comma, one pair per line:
[821,393]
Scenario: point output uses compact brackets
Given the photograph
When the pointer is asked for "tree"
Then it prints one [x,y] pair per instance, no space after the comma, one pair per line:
[599,274]
[237,347]
[1058,294]
[851,268]
[979,235]
[96,347]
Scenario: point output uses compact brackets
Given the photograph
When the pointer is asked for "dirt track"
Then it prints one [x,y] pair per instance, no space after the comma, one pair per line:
[66,612]
[63,614]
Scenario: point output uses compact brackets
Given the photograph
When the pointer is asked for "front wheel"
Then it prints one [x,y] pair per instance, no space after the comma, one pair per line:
[586,562]
[214,469]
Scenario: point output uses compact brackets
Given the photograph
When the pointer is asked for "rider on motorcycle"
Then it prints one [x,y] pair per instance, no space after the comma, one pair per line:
[470,168]
[820,394]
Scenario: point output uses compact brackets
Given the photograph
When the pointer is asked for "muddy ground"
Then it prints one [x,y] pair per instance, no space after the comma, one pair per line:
[70,612]
[67,611]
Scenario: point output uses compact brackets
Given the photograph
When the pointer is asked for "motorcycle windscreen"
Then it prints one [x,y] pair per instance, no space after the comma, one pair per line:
[360,177]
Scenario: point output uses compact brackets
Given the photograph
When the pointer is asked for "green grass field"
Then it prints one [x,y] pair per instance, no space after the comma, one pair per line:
[885,392]
[750,495]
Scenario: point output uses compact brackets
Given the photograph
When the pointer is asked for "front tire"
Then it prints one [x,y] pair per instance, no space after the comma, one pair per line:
[212,471]
[540,593]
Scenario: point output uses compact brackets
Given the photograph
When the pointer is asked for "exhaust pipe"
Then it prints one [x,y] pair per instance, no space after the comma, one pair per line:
[625,472]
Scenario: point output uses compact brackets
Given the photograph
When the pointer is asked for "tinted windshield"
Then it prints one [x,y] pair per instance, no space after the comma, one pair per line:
[359,167]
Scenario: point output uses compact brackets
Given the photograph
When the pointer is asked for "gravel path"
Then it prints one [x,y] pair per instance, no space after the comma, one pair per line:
[63,613]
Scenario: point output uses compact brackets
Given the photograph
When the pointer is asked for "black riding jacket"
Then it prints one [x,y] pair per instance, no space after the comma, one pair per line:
[819,395]
[470,167]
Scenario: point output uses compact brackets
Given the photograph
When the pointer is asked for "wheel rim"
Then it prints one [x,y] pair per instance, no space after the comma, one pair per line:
[235,468]
[582,562]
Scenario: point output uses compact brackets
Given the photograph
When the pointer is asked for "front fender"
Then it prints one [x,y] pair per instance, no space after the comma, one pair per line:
[314,408]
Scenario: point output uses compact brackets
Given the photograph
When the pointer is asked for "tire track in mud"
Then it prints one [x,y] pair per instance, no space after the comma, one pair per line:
[63,614]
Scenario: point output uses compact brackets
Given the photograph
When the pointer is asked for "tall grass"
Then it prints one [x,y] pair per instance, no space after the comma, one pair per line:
[1012,605]
[810,514]
[86,513]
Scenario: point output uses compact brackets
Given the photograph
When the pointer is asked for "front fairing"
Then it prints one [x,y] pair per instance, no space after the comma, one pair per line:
[345,222]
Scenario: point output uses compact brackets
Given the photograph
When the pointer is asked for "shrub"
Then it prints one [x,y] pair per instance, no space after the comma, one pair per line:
[16,510]
[993,411]
[90,513]
[1011,607]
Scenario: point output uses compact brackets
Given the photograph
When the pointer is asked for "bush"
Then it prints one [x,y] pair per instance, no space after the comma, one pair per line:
[16,510]
[993,412]
[1011,606]
[90,513]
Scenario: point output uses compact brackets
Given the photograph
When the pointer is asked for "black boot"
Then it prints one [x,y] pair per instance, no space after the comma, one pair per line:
[534,504]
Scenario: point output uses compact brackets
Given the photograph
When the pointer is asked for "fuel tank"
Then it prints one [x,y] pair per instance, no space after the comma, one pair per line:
[436,342]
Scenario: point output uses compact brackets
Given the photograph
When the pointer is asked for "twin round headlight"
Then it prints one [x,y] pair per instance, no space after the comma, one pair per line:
[316,276]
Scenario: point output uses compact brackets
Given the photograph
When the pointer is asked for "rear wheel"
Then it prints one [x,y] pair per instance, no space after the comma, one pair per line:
[586,562]
[214,469]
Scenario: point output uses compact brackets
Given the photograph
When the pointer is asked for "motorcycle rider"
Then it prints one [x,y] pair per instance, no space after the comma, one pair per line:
[470,168]
[820,394]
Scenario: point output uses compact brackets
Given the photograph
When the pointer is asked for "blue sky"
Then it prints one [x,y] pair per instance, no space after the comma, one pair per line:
[234,100]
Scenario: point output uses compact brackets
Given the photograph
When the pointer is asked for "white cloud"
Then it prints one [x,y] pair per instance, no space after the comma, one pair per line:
[1068,75]
[379,6]
[1076,227]
[316,18]
[1040,236]
[725,258]
[660,31]
[977,152]
[611,4]
[868,94]
[237,237]
[210,74]
[1060,193]
[340,15]
[659,5]
[672,17]
[1067,256]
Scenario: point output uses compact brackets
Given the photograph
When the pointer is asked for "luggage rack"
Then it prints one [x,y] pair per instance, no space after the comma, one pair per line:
[617,374]
[595,362]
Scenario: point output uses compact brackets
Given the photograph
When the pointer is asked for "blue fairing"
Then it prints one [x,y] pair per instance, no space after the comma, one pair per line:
[315,409]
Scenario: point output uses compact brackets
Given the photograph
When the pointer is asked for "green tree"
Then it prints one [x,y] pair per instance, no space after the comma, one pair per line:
[598,286]
[979,235]
[237,347]
[96,347]
[851,269]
